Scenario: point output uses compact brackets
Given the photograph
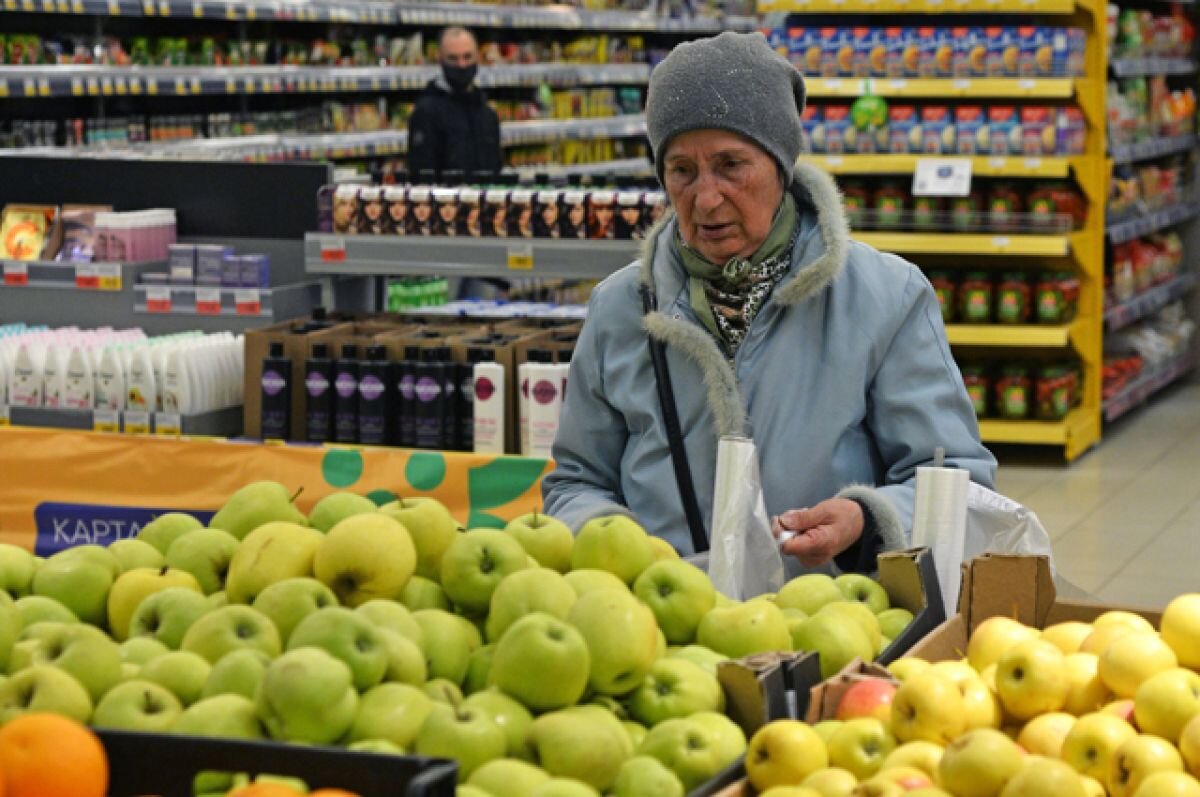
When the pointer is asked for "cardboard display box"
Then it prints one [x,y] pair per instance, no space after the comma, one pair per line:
[296,346]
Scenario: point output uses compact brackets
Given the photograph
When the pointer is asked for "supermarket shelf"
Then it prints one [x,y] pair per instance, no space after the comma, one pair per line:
[226,422]
[18,275]
[1023,335]
[542,130]
[1055,433]
[1155,148]
[560,17]
[1153,65]
[383,255]
[1120,232]
[79,81]
[917,6]
[1045,88]
[287,301]
[1149,384]
[981,166]
[623,167]
[1153,300]
[964,244]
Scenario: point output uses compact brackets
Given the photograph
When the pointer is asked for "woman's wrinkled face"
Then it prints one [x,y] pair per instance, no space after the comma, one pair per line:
[725,191]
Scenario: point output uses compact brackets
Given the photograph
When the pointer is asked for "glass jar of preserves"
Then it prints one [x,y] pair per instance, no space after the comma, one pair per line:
[975,378]
[975,298]
[943,286]
[1012,393]
[1013,296]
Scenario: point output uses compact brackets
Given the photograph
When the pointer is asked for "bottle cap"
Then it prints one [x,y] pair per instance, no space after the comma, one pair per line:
[320,351]
[349,351]
[276,349]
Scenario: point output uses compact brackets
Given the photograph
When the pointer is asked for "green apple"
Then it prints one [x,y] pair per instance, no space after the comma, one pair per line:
[704,658]
[393,616]
[836,640]
[466,733]
[17,567]
[745,629]
[346,636]
[218,599]
[563,787]
[256,505]
[206,554]
[431,527]
[288,602]
[422,593]
[440,690]
[380,746]
[142,649]
[79,650]
[336,507]
[621,636]
[129,671]
[585,581]
[392,712]
[694,749]
[132,554]
[616,544]
[542,662]
[475,564]
[808,593]
[513,718]
[644,776]
[464,790]
[165,529]
[237,673]
[727,738]
[507,777]
[479,669]
[231,628]
[138,706]
[34,609]
[614,706]
[96,554]
[226,716]
[183,673]
[586,743]
[865,590]
[679,594]
[135,586]
[271,553]
[167,615]
[858,613]
[10,628]
[448,644]
[405,659]
[43,688]
[525,592]
[307,695]
[546,539]
[637,732]
[979,762]
[892,622]
[674,688]
[78,584]
[366,557]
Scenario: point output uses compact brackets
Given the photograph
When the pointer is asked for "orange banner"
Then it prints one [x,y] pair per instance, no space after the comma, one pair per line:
[61,488]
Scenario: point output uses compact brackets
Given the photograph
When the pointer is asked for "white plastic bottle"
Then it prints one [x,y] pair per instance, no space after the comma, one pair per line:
[489,409]
[177,388]
[110,379]
[142,388]
[79,385]
[545,405]
[25,384]
[54,376]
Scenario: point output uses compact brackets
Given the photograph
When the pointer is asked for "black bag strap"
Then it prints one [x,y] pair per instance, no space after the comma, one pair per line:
[666,398]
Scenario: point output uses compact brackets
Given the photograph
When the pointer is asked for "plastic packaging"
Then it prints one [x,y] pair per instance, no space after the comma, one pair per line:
[744,560]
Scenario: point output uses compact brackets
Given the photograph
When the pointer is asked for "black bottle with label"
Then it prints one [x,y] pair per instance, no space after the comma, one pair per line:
[430,406]
[345,396]
[406,397]
[276,394]
[318,384]
[374,397]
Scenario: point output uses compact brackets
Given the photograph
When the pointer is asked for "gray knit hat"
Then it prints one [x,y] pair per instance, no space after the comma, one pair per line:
[733,82]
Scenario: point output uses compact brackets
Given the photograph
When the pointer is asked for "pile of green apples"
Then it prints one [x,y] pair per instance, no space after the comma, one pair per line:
[548,664]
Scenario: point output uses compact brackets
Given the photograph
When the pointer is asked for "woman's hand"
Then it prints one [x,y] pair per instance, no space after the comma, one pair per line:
[822,532]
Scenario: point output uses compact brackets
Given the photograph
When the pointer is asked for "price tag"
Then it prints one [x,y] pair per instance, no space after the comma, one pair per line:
[5,416]
[520,258]
[30,87]
[198,10]
[208,301]
[151,86]
[3,88]
[137,422]
[106,86]
[16,274]
[164,8]
[230,86]
[997,163]
[942,177]
[87,276]
[180,86]
[961,85]
[158,299]
[1033,163]
[76,6]
[1001,241]
[246,301]
[114,8]
[167,424]
[251,13]
[333,250]
[148,7]
[197,88]
[106,421]
[135,86]
[1026,84]
[93,87]
[109,276]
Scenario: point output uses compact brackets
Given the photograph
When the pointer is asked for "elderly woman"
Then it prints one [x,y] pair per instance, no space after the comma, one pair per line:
[772,324]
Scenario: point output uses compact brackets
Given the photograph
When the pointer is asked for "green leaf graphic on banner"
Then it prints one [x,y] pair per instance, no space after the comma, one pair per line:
[342,467]
[425,470]
[381,497]
[497,483]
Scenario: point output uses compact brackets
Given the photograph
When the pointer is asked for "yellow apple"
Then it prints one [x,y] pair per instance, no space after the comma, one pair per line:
[783,791]
[1166,702]
[1045,735]
[1169,784]
[908,778]
[928,707]
[955,671]
[1120,708]
[1098,641]
[980,704]
[860,746]
[904,668]
[1138,758]
[1189,746]
[979,763]
[1131,659]
[784,753]
[1067,637]
[1127,619]
[1044,777]
[825,729]
[993,637]
[831,782]
[1181,628]
[1087,691]
[1092,787]
[1091,742]
[989,676]
[1031,679]
[924,756]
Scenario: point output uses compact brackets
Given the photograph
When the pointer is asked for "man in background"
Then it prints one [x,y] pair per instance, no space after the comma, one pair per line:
[452,128]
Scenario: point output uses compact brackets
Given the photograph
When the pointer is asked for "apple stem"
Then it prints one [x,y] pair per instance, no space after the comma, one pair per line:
[296,495]
[535,517]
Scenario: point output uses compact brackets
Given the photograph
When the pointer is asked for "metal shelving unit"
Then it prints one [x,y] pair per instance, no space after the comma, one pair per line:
[983,88]
[1122,231]
[1147,384]
[1122,315]
[1154,148]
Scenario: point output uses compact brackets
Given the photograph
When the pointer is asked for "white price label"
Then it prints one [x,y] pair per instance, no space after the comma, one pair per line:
[246,301]
[106,421]
[208,301]
[167,424]
[137,422]
[333,250]
[942,177]
[16,273]
[158,299]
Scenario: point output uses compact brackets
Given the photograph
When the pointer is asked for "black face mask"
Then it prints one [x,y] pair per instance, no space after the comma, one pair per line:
[460,78]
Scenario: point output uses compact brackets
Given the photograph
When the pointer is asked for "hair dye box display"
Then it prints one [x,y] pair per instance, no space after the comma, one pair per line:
[296,336]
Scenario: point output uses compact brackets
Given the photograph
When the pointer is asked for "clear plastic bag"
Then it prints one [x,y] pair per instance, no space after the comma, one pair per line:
[744,560]
[998,524]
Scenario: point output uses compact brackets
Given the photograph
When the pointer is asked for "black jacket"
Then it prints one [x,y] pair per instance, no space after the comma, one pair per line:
[453,132]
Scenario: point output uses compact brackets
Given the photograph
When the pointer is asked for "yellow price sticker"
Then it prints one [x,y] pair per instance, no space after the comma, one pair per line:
[93,87]
[109,276]
[5,417]
[164,8]
[520,258]
[106,421]
[151,86]
[121,86]
[106,86]
[180,86]
[44,88]
[248,85]
[198,10]
[76,87]
[230,86]
[137,422]
[197,87]
[114,8]
[251,13]
[167,424]
[48,6]
[3,88]
[148,7]
[76,6]
[135,86]
[30,87]
[10,5]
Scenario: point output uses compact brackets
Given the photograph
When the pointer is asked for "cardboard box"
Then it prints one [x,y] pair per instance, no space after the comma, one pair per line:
[296,347]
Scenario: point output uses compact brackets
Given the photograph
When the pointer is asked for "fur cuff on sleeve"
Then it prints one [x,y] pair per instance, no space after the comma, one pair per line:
[888,526]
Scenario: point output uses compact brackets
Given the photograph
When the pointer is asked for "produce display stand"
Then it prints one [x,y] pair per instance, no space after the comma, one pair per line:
[166,765]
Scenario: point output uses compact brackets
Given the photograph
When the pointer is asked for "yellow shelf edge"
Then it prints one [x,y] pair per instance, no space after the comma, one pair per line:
[917,6]
[1047,88]
[967,244]
[1074,431]
[1026,335]
[981,165]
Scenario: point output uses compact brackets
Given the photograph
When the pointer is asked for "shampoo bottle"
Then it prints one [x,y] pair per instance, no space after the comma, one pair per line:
[430,409]
[545,403]
[318,382]
[345,397]
[488,426]
[374,397]
[276,394]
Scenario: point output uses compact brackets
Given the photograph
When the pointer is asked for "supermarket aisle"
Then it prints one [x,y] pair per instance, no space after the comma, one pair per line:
[1124,518]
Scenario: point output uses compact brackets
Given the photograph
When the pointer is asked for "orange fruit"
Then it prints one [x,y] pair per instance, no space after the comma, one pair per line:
[265,790]
[46,755]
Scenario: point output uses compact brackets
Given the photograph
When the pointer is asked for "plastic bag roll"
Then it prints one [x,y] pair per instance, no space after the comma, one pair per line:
[940,524]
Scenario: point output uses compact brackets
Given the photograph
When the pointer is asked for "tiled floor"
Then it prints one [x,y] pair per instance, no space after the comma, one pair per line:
[1125,517]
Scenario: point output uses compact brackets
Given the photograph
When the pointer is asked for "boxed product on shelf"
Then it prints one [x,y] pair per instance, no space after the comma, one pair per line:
[139,236]
[78,224]
[1139,265]
[29,232]
[1141,32]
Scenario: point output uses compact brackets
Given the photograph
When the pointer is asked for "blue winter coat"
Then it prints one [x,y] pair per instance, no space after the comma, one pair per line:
[845,381]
